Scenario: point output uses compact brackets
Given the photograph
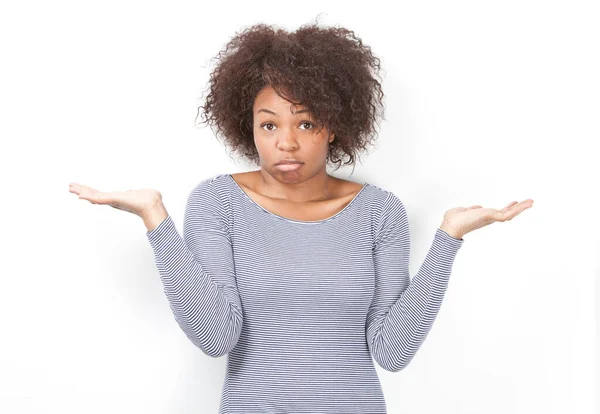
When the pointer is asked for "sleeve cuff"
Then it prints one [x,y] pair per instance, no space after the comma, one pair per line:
[164,226]
[445,235]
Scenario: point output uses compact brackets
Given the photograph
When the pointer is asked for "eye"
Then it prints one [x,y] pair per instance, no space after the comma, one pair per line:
[302,123]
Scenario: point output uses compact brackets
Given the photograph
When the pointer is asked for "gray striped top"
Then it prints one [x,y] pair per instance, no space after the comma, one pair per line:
[301,308]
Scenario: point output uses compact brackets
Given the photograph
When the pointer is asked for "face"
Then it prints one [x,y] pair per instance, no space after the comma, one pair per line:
[282,131]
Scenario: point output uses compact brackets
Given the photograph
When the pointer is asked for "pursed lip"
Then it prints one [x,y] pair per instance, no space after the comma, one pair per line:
[289,162]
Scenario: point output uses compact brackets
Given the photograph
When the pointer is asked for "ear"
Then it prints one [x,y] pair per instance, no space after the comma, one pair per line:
[331,137]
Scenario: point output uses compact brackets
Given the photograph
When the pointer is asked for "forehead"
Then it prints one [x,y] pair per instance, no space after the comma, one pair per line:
[268,101]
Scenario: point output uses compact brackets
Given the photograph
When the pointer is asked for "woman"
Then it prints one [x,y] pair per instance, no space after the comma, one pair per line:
[298,276]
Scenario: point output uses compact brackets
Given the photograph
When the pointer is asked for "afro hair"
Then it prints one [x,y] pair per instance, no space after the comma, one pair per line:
[328,70]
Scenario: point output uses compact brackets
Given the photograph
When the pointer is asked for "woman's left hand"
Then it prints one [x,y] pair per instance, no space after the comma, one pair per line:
[460,220]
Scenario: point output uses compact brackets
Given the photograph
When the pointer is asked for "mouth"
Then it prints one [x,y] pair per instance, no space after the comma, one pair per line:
[288,166]
[289,161]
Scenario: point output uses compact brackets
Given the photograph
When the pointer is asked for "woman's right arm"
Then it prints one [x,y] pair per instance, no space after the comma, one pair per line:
[197,271]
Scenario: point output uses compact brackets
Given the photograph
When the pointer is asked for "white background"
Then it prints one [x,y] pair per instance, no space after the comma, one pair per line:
[486,103]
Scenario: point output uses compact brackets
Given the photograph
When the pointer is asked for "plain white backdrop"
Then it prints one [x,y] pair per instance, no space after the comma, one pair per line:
[486,103]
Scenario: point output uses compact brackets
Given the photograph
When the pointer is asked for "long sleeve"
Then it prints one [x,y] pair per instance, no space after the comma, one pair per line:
[198,274]
[402,310]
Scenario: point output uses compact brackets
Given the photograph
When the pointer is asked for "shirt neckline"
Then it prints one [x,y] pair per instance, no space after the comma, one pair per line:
[244,194]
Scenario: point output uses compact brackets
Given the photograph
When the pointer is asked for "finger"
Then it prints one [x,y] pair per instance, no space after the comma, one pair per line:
[503,215]
[92,195]
[86,195]
[89,191]
[508,207]
[528,201]
[523,205]
[80,188]
[114,198]
[518,209]
[95,197]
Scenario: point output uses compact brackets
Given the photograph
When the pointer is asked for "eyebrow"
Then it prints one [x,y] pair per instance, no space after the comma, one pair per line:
[301,111]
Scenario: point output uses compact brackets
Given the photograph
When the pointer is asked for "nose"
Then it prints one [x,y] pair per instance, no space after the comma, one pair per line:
[287,142]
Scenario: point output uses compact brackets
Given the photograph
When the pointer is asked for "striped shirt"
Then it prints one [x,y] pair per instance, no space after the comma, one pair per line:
[301,308]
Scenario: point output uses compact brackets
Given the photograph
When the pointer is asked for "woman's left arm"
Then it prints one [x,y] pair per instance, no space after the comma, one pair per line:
[403,310]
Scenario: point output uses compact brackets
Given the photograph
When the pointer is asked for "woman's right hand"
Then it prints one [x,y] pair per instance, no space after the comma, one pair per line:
[138,202]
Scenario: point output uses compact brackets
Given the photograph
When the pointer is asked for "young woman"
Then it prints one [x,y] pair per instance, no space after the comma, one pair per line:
[298,276]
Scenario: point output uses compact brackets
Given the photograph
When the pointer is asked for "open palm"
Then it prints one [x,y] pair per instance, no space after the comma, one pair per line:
[133,201]
[464,220]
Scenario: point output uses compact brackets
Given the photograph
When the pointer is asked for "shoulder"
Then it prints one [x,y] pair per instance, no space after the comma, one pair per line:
[210,197]
[211,187]
[212,182]
[385,201]
[389,214]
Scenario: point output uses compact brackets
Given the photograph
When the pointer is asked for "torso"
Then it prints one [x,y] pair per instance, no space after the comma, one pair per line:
[344,192]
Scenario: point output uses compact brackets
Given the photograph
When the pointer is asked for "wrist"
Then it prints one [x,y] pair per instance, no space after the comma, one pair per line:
[451,231]
[155,215]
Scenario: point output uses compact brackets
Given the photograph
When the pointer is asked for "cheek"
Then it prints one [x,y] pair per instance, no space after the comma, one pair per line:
[320,142]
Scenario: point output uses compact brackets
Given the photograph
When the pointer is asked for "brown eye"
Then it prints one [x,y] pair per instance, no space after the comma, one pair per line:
[302,123]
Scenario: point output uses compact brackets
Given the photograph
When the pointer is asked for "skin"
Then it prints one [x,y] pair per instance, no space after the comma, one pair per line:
[285,132]
[282,130]
[459,221]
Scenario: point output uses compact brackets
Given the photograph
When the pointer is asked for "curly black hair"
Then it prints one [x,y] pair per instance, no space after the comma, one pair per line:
[327,69]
